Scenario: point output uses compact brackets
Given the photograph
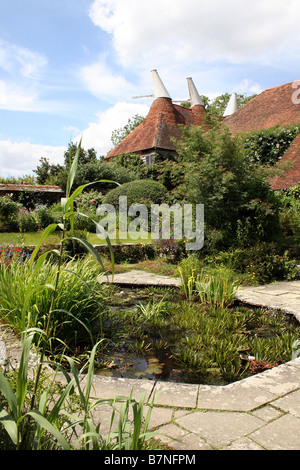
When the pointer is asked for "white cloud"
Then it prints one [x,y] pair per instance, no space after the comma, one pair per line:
[22,70]
[98,134]
[169,31]
[14,98]
[102,82]
[248,87]
[18,59]
[20,158]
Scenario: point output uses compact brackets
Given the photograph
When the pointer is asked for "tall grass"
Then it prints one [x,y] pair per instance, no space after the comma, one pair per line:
[25,298]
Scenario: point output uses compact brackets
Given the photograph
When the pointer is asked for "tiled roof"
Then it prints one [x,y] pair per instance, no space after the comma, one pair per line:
[35,187]
[159,127]
[291,176]
[274,106]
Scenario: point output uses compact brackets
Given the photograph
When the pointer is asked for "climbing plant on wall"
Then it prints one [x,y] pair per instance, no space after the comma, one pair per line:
[267,146]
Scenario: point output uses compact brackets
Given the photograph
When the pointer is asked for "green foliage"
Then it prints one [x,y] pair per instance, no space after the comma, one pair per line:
[26,179]
[214,286]
[89,170]
[119,134]
[261,263]
[26,220]
[217,106]
[139,191]
[239,204]
[267,146]
[88,201]
[216,289]
[289,201]
[8,214]
[46,215]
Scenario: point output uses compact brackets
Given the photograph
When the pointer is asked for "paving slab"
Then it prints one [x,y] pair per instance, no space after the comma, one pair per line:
[110,387]
[178,395]
[218,429]
[284,296]
[281,434]
[278,381]
[290,403]
[137,277]
[243,444]
[239,396]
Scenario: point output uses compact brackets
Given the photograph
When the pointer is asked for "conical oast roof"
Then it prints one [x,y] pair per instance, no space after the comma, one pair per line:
[232,106]
[160,90]
[194,95]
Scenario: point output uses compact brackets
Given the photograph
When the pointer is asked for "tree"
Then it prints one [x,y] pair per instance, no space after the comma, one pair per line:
[240,207]
[119,134]
[218,105]
[47,173]
[85,156]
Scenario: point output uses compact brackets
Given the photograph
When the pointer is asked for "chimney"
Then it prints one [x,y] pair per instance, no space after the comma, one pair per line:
[231,106]
[160,90]
[194,95]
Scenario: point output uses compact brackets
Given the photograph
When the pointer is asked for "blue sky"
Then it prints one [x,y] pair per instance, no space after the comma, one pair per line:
[69,68]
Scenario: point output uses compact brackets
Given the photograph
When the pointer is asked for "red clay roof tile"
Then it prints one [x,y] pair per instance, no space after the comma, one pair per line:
[159,128]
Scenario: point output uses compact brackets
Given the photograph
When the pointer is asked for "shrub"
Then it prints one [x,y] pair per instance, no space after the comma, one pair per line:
[89,201]
[44,216]
[138,191]
[168,248]
[8,214]
[74,248]
[267,146]
[289,201]
[26,220]
[263,262]
[239,204]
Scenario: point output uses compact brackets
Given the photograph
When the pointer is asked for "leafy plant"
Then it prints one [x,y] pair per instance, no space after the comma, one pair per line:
[216,289]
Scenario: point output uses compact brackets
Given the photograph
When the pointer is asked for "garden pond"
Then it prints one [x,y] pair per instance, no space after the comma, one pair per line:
[155,333]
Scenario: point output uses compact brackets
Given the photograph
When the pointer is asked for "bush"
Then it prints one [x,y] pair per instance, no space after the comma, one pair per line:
[137,192]
[26,221]
[263,262]
[240,207]
[45,216]
[88,201]
[8,214]
[267,146]
[74,248]
[168,248]
[289,201]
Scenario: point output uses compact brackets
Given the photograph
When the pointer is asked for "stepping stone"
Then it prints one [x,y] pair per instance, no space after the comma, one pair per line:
[141,278]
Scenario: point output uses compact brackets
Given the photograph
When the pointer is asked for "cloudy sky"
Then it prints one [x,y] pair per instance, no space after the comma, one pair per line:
[69,68]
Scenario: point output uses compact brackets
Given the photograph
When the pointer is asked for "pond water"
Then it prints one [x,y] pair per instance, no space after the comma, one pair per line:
[158,364]
[153,359]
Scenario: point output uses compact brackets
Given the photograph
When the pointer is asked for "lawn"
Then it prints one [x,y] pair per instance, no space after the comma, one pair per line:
[32,238]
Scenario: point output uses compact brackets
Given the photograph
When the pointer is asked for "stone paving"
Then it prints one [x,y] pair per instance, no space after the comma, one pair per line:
[261,412]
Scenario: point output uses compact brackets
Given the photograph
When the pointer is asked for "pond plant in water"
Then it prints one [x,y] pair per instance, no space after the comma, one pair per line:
[165,334]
